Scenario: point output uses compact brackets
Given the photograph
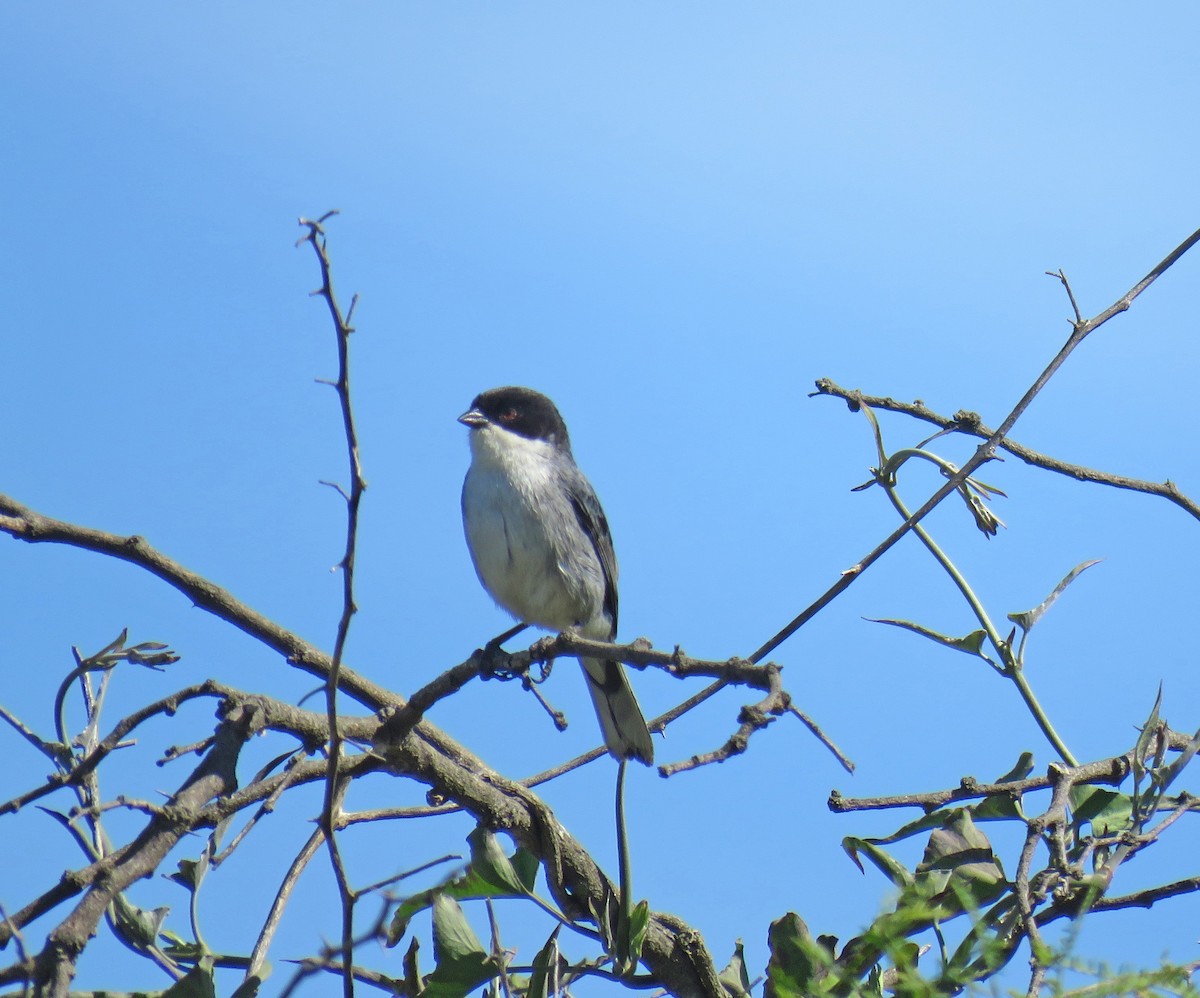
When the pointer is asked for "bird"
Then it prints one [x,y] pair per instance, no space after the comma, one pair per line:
[541,546]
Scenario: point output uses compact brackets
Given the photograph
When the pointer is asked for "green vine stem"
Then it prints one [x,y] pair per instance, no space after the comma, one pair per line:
[1012,667]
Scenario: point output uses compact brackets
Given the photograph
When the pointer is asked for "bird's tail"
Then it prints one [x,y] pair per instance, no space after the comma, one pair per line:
[621,720]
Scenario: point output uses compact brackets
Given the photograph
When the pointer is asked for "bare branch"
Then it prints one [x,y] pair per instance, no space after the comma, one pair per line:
[335,790]
[291,878]
[1140,899]
[971,424]
[1109,771]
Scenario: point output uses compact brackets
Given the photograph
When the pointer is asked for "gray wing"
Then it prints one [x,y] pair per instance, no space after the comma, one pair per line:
[621,720]
[594,523]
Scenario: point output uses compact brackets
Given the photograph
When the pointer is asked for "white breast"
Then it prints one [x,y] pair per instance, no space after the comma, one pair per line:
[518,538]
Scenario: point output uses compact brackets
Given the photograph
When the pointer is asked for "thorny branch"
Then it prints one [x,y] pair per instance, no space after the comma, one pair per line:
[334,790]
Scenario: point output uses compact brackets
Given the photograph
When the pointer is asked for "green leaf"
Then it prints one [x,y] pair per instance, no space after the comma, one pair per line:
[959,845]
[1023,767]
[997,807]
[971,643]
[626,949]
[1026,620]
[798,963]
[412,970]
[734,976]
[458,978]
[134,926]
[526,865]
[1145,736]
[490,874]
[493,867]
[189,874]
[462,962]
[896,872]
[196,983]
[960,866]
[453,937]
[925,823]
[602,917]
[991,942]
[81,840]
[639,923]
[958,873]
[867,411]
[1108,811]
[545,967]
[1171,771]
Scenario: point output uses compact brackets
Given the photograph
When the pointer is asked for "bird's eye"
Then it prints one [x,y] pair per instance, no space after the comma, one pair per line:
[508,415]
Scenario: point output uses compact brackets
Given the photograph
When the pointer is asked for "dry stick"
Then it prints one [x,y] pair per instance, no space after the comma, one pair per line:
[290,879]
[334,790]
[395,878]
[325,962]
[15,935]
[739,671]
[1080,329]
[290,772]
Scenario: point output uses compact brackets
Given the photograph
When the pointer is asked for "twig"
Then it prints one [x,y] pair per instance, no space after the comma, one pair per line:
[824,739]
[14,933]
[1139,899]
[290,773]
[971,424]
[498,952]
[1108,771]
[121,802]
[333,790]
[54,751]
[395,879]
[174,752]
[290,879]
[752,718]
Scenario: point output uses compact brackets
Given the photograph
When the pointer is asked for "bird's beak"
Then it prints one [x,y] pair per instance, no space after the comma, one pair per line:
[473,418]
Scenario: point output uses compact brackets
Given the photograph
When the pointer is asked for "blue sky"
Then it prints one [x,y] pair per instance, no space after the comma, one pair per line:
[671,218]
